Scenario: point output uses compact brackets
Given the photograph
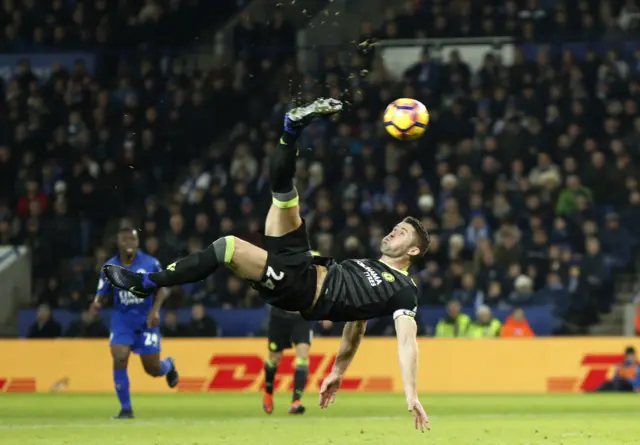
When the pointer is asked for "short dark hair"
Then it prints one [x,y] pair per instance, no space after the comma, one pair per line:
[127,230]
[424,240]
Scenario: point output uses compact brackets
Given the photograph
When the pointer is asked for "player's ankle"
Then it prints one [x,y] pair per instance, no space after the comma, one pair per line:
[289,135]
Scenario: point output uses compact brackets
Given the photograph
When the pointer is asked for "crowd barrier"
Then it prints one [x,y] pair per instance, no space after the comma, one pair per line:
[446,366]
[252,322]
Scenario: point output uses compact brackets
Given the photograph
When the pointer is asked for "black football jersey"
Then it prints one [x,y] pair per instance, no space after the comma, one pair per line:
[364,289]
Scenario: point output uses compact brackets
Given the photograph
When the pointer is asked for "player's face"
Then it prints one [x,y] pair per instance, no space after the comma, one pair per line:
[400,241]
[128,242]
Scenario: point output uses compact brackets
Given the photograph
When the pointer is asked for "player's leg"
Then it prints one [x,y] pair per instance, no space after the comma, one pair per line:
[300,378]
[246,260]
[279,339]
[120,356]
[301,337]
[270,370]
[156,367]
[148,347]
[284,214]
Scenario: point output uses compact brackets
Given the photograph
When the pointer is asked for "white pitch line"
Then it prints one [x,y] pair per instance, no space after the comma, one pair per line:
[181,422]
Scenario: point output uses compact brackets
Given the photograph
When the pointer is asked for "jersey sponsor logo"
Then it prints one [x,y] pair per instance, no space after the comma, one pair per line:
[370,274]
[245,372]
[126,298]
[388,277]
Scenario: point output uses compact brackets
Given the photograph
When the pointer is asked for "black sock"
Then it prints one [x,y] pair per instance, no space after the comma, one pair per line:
[269,375]
[300,381]
[196,266]
[283,165]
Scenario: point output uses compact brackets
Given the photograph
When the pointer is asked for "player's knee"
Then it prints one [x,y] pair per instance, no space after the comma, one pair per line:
[274,358]
[152,369]
[302,352]
[225,248]
[120,361]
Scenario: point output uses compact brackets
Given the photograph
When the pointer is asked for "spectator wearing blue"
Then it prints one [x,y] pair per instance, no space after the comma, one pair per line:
[476,230]
[627,375]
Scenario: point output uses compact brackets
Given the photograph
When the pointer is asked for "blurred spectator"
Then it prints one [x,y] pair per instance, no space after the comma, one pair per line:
[522,291]
[45,326]
[201,325]
[627,375]
[615,242]
[50,296]
[516,326]
[170,326]
[593,273]
[567,201]
[485,325]
[89,326]
[455,324]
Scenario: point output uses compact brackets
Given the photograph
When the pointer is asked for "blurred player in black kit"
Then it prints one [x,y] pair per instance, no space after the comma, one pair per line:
[287,329]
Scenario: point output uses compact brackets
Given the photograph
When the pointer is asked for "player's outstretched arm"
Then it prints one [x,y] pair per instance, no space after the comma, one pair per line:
[407,331]
[351,337]
[153,319]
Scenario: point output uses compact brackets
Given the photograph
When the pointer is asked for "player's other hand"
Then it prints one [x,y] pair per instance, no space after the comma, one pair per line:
[326,324]
[420,419]
[97,303]
[153,319]
[329,387]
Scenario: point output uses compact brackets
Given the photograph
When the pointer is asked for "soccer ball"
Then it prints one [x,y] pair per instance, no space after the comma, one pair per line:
[406,119]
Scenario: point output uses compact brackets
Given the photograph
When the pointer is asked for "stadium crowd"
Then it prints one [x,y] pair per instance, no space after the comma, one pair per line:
[526,179]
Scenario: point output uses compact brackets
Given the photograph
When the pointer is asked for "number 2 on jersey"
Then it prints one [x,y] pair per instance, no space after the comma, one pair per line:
[272,274]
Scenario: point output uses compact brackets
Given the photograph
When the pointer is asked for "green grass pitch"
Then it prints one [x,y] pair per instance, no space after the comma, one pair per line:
[355,419]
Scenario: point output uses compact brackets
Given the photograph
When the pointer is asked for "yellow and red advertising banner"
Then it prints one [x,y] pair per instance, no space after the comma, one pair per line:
[446,366]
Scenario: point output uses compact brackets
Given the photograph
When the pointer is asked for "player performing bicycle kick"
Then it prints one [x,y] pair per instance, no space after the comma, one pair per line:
[290,278]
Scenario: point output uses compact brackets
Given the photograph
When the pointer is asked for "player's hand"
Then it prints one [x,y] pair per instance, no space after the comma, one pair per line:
[329,387]
[326,324]
[97,303]
[420,419]
[153,319]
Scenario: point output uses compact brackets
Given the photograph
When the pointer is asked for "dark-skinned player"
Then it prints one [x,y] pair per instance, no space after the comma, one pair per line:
[134,323]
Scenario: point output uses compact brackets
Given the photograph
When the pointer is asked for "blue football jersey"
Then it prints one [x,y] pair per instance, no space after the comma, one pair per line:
[129,310]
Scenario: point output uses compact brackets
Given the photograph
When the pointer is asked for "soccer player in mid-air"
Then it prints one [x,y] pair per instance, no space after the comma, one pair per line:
[292,279]
[134,323]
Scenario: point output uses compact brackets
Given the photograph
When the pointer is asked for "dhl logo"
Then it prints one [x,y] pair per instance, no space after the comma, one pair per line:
[599,368]
[245,372]
[17,384]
